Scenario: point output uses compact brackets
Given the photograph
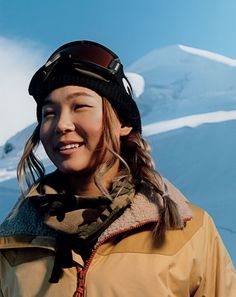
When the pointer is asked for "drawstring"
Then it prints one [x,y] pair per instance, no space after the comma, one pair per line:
[63,257]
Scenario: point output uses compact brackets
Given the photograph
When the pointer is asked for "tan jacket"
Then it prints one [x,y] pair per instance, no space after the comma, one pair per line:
[126,261]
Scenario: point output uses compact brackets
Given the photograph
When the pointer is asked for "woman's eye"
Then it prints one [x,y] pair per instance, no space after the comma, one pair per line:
[80,106]
[48,113]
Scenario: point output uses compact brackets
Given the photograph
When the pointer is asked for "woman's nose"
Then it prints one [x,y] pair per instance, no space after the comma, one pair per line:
[65,124]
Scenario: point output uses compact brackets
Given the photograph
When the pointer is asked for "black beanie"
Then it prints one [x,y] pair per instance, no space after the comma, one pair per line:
[87,64]
[121,101]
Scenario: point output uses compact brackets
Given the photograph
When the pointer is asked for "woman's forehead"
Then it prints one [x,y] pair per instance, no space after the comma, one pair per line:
[68,93]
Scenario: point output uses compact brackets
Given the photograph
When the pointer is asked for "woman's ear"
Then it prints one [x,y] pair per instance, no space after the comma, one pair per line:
[125,130]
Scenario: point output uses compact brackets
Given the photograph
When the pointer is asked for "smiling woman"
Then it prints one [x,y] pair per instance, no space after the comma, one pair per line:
[72,127]
[105,223]
[71,132]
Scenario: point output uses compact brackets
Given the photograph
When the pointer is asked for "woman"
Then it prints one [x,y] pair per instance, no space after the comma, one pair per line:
[105,223]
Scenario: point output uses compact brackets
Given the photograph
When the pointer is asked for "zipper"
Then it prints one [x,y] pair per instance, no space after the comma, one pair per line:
[80,282]
[81,272]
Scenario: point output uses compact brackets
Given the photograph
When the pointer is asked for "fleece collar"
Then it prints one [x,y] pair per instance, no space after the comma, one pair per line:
[141,212]
[24,220]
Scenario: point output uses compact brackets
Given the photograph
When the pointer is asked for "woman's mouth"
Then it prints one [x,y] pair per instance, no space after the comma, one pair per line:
[68,148]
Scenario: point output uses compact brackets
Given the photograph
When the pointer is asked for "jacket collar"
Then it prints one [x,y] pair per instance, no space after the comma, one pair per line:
[25,220]
[143,211]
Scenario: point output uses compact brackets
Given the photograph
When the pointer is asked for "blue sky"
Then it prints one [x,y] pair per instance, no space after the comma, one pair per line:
[30,30]
[129,27]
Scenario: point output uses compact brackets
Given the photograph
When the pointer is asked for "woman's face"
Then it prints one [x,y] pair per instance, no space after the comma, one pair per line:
[71,129]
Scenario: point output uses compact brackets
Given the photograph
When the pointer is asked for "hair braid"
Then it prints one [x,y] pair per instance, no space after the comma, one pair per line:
[29,166]
[136,151]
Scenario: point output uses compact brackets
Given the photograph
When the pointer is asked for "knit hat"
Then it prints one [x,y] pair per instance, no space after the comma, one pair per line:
[63,72]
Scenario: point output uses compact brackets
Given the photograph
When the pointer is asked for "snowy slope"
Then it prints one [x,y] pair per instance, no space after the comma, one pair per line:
[189,115]
[11,152]
[180,82]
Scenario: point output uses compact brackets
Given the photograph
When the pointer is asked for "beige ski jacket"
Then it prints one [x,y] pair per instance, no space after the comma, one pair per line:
[126,261]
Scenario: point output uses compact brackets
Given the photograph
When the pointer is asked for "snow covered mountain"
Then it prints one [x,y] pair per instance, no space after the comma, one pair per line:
[181,81]
[188,108]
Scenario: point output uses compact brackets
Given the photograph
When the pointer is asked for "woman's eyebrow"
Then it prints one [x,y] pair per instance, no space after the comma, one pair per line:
[49,101]
[77,94]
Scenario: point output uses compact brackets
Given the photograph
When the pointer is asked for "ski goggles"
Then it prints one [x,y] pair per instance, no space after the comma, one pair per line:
[86,57]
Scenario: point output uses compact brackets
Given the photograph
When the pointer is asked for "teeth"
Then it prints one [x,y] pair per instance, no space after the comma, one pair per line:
[69,146]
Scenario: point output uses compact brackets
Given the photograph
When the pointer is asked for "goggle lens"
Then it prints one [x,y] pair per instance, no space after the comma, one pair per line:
[89,52]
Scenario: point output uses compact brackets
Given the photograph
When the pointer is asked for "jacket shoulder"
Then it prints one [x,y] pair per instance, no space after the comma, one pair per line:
[141,240]
[23,223]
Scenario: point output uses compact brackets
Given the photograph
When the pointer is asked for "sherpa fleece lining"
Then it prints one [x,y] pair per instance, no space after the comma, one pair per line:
[26,221]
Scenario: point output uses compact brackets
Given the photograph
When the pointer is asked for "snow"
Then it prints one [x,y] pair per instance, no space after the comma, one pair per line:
[179,83]
[209,55]
[192,121]
[7,174]
[137,82]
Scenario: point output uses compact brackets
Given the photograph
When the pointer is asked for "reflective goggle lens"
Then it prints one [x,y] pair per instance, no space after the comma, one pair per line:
[87,51]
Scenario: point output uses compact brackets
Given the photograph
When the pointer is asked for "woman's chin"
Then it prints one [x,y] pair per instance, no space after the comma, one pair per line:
[70,170]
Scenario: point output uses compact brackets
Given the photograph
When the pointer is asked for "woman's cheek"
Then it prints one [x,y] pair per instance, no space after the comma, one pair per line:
[44,134]
[94,125]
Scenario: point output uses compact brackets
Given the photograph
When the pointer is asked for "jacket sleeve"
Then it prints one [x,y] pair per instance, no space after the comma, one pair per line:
[219,276]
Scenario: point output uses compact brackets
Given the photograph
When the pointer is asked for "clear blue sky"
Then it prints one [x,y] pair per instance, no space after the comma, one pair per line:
[130,27]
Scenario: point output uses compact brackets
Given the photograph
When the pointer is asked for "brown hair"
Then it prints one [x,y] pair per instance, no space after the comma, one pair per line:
[134,153]
[29,166]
